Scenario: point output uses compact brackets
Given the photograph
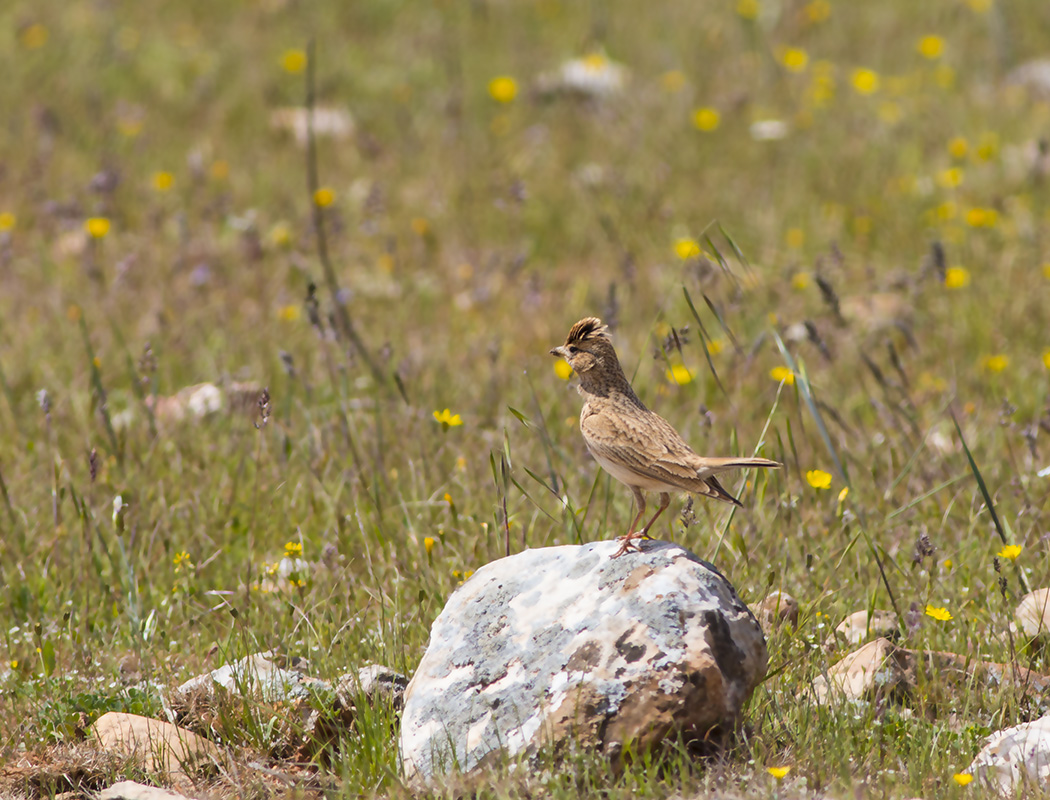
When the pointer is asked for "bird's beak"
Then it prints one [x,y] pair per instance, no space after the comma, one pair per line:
[558,351]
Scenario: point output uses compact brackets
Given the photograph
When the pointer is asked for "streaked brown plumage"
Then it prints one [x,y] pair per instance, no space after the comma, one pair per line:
[636,446]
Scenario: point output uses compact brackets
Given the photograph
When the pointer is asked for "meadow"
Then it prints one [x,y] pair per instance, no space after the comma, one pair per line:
[818,233]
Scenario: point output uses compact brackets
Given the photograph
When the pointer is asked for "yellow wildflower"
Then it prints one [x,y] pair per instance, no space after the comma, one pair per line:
[890,112]
[794,59]
[931,47]
[288,313]
[34,36]
[956,278]
[748,9]
[995,363]
[7,221]
[947,210]
[989,146]
[1010,552]
[686,248]
[948,563]
[962,778]
[706,119]
[280,234]
[503,89]
[163,181]
[944,76]
[843,493]
[782,375]
[800,281]
[795,238]
[562,369]
[1046,358]
[939,614]
[958,147]
[779,772]
[129,126]
[822,89]
[448,419]
[672,81]
[818,479]
[293,549]
[428,544]
[865,81]
[818,10]
[97,227]
[680,374]
[982,217]
[324,197]
[293,61]
[951,177]
[716,346]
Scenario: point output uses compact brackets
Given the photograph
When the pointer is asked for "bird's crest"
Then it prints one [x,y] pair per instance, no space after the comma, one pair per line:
[586,330]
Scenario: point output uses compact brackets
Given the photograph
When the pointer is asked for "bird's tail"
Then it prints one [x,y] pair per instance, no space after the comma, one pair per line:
[707,468]
[712,466]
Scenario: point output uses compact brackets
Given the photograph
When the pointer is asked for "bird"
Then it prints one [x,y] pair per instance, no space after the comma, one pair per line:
[637,446]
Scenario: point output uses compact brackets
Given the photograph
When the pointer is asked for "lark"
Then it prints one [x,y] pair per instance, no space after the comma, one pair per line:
[636,446]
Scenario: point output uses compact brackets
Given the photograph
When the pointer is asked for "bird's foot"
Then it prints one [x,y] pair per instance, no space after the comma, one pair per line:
[629,542]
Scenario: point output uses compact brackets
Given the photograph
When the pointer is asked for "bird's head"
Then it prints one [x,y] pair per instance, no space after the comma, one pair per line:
[587,347]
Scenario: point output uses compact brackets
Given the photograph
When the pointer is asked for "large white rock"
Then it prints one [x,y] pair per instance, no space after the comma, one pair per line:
[1015,756]
[569,644]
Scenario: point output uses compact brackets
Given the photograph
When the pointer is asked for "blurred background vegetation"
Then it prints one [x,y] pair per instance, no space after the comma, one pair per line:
[863,183]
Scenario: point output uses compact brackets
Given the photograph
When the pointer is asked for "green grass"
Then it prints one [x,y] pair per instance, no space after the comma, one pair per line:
[469,236]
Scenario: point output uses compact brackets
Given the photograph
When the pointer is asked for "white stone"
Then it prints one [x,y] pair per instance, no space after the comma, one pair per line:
[1017,756]
[569,643]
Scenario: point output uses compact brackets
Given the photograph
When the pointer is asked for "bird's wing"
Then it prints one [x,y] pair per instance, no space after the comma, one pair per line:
[645,444]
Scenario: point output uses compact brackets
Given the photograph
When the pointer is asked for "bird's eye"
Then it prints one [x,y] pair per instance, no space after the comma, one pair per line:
[573,348]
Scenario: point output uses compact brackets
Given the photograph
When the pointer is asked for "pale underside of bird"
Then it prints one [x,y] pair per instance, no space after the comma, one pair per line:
[633,444]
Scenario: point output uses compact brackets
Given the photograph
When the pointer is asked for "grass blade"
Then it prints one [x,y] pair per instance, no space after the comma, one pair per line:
[987,498]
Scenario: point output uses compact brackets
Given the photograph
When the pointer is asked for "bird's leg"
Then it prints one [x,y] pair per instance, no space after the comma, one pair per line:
[627,541]
[665,501]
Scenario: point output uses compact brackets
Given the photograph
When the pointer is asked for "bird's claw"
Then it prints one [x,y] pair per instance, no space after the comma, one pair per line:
[628,542]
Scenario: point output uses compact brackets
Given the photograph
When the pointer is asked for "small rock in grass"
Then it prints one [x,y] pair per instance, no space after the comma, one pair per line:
[205,399]
[330,122]
[877,669]
[373,682]
[162,748]
[881,669]
[858,627]
[254,676]
[1033,613]
[592,77]
[1033,75]
[1015,757]
[776,609]
[130,790]
[570,646]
